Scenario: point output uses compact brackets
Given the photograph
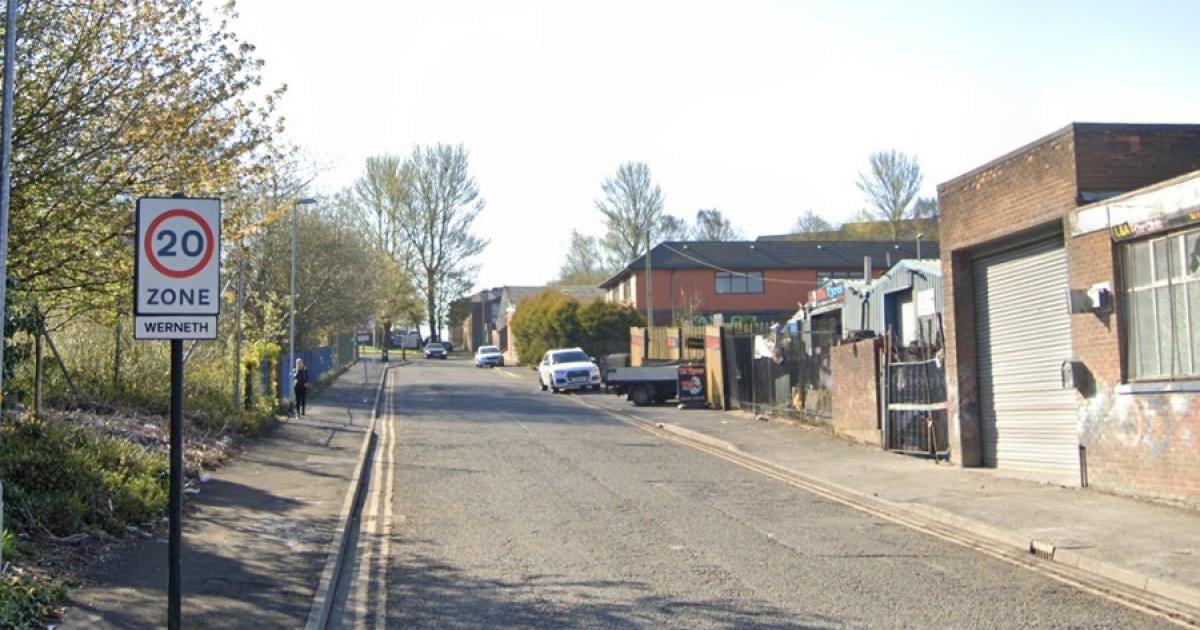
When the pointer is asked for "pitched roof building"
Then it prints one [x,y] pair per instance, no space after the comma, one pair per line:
[761,279]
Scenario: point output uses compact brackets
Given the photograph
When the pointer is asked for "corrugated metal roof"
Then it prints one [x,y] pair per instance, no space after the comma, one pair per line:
[923,265]
[757,255]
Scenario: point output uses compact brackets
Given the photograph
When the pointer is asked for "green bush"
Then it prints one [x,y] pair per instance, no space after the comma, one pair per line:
[64,479]
[553,319]
[25,602]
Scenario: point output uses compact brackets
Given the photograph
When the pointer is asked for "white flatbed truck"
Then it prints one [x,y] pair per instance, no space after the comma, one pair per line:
[644,385]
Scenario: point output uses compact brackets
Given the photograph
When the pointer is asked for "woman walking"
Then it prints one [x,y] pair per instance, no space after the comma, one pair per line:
[300,386]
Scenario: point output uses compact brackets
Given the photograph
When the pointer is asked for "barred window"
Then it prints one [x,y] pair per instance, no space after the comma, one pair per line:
[1162,306]
[739,282]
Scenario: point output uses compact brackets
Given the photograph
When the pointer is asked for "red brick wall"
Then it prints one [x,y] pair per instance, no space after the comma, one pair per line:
[1141,444]
[1127,157]
[855,368]
[1029,189]
[1137,444]
[675,289]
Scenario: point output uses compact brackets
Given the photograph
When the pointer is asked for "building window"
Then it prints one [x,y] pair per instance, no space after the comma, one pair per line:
[1162,306]
[822,276]
[739,282]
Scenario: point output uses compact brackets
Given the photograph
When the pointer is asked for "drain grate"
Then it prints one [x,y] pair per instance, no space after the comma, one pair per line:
[1041,549]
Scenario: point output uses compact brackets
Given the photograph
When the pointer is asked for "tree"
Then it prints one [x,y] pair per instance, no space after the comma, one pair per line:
[711,225]
[441,202]
[633,211]
[544,321]
[584,264]
[891,185]
[671,228]
[605,326]
[553,319]
[379,196]
[341,278]
[810,222]
[116,100]
[926,208]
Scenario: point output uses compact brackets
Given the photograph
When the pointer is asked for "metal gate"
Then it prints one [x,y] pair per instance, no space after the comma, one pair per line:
[913,393]
[1023,335]
[738,349]
[914,420]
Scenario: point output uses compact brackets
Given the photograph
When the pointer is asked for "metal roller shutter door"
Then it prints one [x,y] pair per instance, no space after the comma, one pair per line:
[1023,334]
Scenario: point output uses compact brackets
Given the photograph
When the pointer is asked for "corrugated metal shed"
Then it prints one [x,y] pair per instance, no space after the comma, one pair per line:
[922,277]
[851,309]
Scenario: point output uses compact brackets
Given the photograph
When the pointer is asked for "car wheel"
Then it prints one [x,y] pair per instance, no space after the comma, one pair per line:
[641,395]
[541,384]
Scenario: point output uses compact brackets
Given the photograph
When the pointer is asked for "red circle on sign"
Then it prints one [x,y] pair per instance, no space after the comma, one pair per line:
[165,270]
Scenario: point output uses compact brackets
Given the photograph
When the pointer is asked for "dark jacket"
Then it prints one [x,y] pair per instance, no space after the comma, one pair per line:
[300,378]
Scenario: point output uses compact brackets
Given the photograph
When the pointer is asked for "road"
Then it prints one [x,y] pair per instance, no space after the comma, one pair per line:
[492,504]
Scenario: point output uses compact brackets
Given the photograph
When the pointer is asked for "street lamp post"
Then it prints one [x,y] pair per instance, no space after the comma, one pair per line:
[291,364]
[920,235]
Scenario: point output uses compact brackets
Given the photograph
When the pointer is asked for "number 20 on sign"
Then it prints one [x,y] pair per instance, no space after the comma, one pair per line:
[178,268]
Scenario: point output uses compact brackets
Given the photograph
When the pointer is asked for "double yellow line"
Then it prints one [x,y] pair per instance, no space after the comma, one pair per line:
[375,532]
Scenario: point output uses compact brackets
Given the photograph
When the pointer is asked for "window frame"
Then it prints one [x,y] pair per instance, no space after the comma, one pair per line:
[826,275]
[739,282]
[1142,288]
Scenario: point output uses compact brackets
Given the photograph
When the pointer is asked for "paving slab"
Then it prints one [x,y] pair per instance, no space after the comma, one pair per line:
[256,537]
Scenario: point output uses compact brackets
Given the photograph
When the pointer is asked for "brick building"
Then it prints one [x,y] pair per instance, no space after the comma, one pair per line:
[1072,282]
[765,279]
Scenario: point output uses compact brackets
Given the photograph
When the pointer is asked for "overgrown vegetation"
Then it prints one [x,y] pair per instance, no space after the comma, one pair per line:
[26,601]
[61,480]
[105,91]
[553,319]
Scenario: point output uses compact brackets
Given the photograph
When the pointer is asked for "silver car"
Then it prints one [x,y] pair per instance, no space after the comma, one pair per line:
[489,356]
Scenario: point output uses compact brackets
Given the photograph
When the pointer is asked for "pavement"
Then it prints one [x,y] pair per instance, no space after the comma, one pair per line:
[1135,545]
[258,536]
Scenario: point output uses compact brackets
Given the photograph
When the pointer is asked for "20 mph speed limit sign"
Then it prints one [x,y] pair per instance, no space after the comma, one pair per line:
[177,277]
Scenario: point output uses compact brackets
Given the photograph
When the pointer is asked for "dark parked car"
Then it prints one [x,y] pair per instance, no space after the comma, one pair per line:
[435,349]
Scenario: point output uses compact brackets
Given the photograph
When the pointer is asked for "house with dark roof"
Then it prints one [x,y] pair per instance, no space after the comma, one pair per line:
[764,279]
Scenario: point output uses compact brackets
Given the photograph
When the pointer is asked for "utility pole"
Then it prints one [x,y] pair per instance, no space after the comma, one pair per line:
[485,330]
[10,50]
[237,335]
[291,364]
[649,285]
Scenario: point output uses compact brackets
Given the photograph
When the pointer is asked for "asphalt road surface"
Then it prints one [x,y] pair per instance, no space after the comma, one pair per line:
[492,504]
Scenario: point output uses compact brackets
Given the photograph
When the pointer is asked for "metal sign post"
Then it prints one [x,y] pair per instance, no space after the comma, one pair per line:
[177,275]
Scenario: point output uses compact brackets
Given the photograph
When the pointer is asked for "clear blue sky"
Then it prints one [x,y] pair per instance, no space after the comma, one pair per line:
[760,109]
